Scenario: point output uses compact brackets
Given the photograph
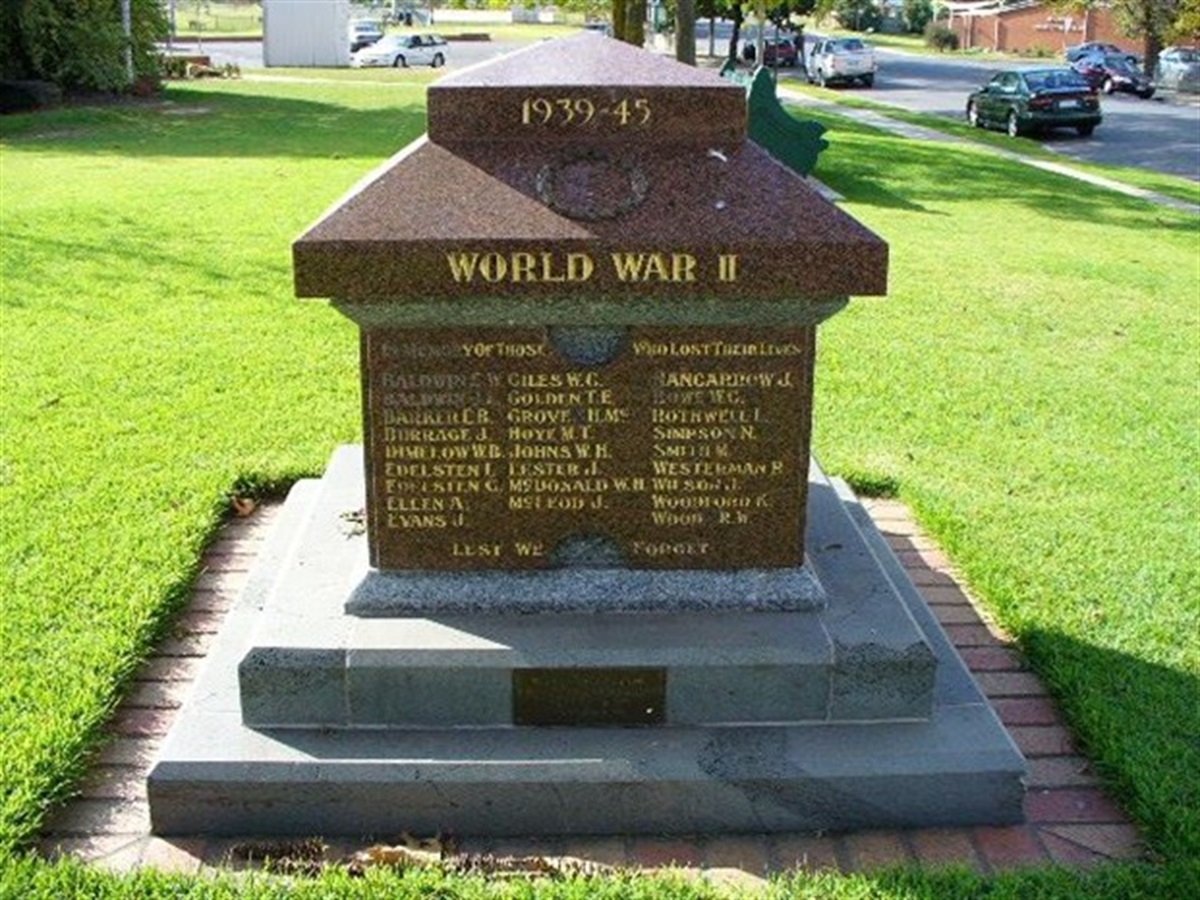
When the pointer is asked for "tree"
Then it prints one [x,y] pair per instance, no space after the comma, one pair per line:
[629,21]
[80,44]
[685,31]
[1151,20]
[1186,26]
[917,14]
[859,15]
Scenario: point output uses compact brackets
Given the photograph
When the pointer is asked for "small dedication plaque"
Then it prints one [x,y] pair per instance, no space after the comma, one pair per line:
[615,696]
[638,447]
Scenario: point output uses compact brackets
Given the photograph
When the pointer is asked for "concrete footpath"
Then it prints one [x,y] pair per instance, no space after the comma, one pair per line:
[1070,819]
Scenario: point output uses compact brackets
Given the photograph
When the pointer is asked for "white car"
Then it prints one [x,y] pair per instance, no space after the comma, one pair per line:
[841,59]
[363,33]
[402,50]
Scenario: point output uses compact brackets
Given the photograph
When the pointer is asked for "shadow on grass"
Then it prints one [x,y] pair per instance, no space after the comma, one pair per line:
[1134,717]
[105,258]
[226,123]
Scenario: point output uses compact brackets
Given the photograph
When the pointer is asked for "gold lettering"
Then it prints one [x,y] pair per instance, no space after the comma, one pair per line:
[676,267]
[522,267]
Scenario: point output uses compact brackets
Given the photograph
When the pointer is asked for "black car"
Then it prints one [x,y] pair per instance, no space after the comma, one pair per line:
[1114,72]
[1030,100]
[1092,48]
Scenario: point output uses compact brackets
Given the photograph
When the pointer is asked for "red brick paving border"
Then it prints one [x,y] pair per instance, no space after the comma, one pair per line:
[1070,820]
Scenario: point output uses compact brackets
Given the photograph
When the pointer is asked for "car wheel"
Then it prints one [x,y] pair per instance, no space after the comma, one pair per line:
[1013,125]
[438,59]
[399,63]
[1109,86]
[1085,130]
[868,81]
[973,116]
[1146,95]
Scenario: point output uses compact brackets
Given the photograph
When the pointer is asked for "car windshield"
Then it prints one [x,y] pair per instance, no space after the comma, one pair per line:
[1188,56]
[1051,79]
[847,44]
[1117,62]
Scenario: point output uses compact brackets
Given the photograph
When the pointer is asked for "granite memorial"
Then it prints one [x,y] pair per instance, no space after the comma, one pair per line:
[583,576]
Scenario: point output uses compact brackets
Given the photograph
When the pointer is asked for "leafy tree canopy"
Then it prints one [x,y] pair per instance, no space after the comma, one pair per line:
[79,44]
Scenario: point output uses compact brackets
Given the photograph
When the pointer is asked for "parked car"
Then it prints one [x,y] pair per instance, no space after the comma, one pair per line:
[1025,101]
[1114,72]
[402,50]
[780,52]
[841,60]
[776,51]
[363,33]
[1091,48]
[1178,69]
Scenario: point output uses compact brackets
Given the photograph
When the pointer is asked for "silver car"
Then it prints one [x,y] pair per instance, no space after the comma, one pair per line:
[1178,69]
[401,50]
[843,60]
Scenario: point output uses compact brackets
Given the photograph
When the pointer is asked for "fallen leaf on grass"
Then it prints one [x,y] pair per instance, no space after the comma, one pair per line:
[243,506]
[433,854]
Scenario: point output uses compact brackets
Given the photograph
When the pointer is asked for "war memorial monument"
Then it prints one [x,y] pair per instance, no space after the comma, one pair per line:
[583,576]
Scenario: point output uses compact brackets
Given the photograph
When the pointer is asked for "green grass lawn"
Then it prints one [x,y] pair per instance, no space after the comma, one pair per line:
[1031,387]
[1035,393]
[218,20]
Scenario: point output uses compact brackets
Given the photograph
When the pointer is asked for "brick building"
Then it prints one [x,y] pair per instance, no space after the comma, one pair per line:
[1030,26]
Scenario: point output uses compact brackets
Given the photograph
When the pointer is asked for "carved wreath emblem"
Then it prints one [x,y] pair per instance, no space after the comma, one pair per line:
[590,185]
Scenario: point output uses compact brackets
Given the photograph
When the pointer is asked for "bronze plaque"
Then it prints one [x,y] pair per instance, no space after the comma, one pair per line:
[636,447]
[615,696]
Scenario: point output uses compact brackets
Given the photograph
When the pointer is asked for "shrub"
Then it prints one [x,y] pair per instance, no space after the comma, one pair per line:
[939,37]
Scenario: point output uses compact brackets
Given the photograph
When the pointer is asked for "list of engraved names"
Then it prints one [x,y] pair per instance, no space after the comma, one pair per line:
[490,448]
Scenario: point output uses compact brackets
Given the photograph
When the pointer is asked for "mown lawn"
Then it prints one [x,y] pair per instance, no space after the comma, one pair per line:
[1031,387]
[1034,393]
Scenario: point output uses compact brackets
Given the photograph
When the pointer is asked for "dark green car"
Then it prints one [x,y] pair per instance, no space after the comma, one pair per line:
[1025,101]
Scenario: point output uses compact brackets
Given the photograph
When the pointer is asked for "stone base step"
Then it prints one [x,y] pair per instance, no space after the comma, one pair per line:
[522,781]
[721,657]
[864,764]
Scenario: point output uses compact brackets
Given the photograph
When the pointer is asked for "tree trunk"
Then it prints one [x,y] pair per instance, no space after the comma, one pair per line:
[736,16]
[635,22]
[618,19]
[685,31]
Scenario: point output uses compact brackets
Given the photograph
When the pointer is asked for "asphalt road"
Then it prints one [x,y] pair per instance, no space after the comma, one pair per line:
[1162,134]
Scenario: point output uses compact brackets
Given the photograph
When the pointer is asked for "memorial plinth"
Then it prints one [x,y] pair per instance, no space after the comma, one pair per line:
[598,585]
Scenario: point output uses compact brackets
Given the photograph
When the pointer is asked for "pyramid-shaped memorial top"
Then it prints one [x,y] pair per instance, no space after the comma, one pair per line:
[586,87]
[591,172]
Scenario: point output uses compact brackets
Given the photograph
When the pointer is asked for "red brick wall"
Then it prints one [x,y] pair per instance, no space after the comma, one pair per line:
[1038,27]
